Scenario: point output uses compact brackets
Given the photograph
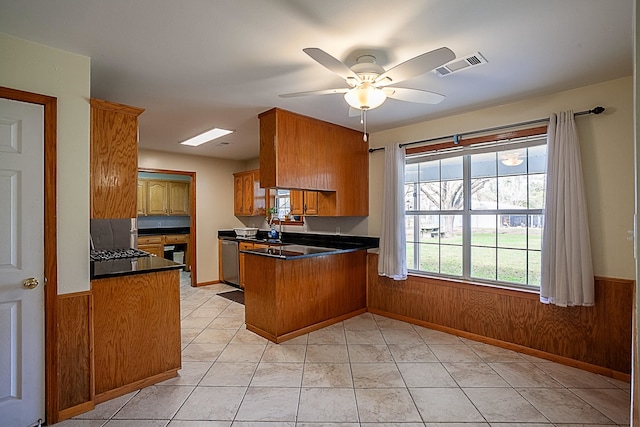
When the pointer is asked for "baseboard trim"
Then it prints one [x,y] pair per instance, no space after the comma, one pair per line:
[211,282]
[120,391]
[71,412]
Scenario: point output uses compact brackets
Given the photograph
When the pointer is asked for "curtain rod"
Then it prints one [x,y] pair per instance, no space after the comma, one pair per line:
[456,137]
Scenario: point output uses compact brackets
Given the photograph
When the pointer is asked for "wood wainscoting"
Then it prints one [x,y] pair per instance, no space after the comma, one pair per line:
[75,338]
[595,338]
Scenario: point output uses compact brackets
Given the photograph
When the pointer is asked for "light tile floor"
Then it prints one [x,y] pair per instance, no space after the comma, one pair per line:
[365,371]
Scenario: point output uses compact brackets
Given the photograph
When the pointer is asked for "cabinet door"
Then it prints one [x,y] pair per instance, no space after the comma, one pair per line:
[238,200]
[178,198]
[311,203]
[296,198]
[247,193]
[243,246]
[157,198]
[142,198]
[259,195]
[113,159]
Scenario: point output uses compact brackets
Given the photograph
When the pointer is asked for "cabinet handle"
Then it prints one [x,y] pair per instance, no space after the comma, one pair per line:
[305,208]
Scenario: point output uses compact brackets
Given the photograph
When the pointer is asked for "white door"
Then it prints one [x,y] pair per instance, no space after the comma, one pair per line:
[21,259]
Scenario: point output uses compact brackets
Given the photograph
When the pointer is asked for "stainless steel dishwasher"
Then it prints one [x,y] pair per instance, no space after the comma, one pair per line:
[230,262]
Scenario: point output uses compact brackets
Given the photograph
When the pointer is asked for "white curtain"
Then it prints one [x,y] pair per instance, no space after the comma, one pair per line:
[567,271]
[392,258]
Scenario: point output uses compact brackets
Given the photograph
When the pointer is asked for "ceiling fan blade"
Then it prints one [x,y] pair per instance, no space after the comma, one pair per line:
[331,63]
[315,92]
[413,95]
[416,66]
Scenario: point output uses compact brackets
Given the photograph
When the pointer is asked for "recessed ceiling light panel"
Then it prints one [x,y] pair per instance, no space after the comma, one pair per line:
[206,137]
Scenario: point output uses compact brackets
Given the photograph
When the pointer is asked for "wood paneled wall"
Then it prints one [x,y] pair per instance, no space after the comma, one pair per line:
[74,354]
[596,338]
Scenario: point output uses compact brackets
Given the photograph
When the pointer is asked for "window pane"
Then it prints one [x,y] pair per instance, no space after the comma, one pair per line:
[409,196]
[411,259]
[537,185]
[483,165]
[483,194]
[429,196]
[452,195]
[483,230]
[538,159]
[451,168]
[512,162]
[536,223]
[451,229]
[430,228]
[429,171]
[411,173]
[451,260]
[512,192]
[535,267]
[483,263]
[429,257]
[513,234]
[512,266]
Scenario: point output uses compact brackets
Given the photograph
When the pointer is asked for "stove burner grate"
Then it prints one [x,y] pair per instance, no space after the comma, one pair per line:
[111,254]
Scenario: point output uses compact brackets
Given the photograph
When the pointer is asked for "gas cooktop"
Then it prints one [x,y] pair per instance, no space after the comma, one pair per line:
[110,254]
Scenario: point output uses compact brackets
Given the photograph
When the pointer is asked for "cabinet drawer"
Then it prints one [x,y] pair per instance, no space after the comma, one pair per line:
[176,238]
[149,240]
[243,246]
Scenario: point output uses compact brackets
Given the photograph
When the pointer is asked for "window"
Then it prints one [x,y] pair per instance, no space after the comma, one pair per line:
[282,203]
[476,212]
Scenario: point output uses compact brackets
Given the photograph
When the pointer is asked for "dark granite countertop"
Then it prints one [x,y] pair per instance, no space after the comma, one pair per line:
[163,231]
[288,252]
[128,266]
[333,241]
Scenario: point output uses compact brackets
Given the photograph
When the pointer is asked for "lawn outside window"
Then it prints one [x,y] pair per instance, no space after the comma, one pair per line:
[476,212]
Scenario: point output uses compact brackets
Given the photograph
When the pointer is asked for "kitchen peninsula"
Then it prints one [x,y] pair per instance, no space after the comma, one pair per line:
[303,283]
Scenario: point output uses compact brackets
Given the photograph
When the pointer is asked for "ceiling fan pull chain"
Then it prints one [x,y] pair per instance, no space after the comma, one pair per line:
[364,119]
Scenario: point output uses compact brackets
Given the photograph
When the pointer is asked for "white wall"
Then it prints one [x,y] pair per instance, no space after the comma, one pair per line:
[607,159]
[214,201]
[39,69]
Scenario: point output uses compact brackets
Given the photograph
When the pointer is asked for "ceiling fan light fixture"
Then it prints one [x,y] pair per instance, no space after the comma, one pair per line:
[365,97]
[512,159]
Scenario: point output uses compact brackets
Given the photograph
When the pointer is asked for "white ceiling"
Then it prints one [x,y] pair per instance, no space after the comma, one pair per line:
[198,64]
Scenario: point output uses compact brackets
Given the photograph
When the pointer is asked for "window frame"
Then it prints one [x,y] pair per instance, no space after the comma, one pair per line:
[524,138]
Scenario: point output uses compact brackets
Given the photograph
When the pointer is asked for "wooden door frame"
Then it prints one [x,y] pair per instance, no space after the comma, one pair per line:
[50,105]
[192,215]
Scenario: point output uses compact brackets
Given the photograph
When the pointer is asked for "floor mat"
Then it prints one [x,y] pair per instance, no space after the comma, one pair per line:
[235,296]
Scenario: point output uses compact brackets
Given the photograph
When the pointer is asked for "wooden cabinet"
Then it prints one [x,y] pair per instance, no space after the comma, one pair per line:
[136,331]
[304,202]
[155,245]
[113,159]
[248,197]
[178,198]
[157,198]
[288,298]
[162,197]
[302,153]
[142,198]
[151,244]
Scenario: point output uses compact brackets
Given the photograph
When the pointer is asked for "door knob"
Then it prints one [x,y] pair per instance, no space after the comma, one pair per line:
[30,283]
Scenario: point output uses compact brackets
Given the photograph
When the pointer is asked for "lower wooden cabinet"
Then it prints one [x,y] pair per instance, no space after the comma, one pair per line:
[151,244]
[136,331]
[155,245]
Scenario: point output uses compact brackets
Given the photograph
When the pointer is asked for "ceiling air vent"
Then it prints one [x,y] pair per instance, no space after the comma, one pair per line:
[460,64]
[221,144]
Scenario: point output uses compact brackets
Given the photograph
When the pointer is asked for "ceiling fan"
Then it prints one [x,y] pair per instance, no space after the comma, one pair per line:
[369,85]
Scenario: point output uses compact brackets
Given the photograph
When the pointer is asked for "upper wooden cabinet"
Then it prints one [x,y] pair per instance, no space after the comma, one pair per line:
[113,159]
[248,197]
[162,197]
[299,152]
